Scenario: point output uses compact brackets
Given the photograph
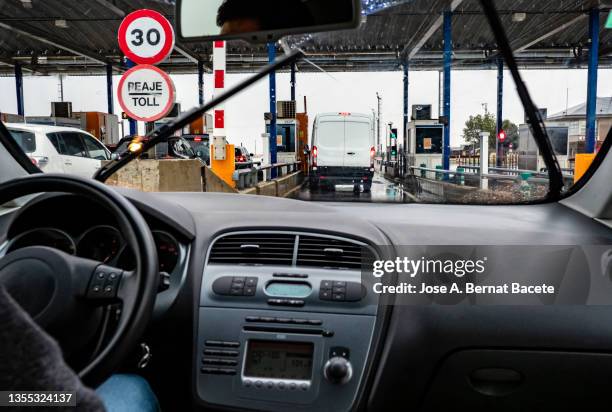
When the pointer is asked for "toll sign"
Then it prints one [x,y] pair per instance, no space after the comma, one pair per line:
[146,93]
[146,37]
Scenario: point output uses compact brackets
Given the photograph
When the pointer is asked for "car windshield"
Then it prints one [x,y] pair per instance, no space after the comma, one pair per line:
[416,104]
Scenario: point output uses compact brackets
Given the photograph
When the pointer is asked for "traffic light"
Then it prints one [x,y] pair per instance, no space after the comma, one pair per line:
[393,142]
[501,136]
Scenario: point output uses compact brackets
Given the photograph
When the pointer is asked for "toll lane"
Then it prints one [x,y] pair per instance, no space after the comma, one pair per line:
[383,190]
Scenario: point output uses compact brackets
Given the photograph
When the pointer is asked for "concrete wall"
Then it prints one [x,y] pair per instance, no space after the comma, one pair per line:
[282,186]
[214,183]
[168,175]
[186,176]
[286,184]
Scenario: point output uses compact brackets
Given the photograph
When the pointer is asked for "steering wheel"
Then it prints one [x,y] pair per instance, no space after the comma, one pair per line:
[64,294]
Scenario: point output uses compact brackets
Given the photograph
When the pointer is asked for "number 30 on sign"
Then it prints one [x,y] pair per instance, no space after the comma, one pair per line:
[146,37]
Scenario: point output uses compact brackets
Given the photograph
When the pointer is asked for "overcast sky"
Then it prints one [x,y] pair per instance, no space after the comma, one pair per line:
[335,92]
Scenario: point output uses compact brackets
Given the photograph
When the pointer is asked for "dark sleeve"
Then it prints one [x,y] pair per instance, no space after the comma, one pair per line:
[31,360]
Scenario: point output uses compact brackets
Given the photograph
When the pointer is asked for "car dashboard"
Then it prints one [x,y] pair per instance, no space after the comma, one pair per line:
[266,312]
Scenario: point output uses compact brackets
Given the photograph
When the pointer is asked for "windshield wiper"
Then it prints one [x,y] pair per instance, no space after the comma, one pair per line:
[163,132]
[534,116]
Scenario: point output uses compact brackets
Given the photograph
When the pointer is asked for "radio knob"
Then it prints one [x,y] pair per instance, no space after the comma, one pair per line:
[338,370]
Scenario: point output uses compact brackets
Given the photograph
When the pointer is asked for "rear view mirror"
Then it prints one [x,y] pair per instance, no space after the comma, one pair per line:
[262,20]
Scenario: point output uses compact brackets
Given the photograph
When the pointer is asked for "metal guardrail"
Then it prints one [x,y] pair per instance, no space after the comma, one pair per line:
[246,178]
[441,172]
[517,171]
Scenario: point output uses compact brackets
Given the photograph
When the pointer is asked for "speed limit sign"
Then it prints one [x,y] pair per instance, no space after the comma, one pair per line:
[146,37]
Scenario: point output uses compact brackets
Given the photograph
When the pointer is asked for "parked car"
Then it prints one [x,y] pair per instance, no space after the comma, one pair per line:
[60,149]
[175,148]
[200,143]
[243,158]
[342,151]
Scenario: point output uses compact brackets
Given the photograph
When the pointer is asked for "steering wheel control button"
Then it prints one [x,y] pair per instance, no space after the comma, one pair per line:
[164,281]
[102,285]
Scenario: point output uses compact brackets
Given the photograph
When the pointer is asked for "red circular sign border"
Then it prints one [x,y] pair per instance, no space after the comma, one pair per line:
[166,78]
[168,31]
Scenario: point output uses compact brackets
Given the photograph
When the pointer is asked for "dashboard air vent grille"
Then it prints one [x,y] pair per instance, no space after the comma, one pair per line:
[254,249]
[328,253]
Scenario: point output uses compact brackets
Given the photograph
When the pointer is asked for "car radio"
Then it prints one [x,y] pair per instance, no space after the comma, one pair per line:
[272,339]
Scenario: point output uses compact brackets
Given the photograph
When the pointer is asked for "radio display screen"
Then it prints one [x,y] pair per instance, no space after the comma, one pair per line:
[279,360]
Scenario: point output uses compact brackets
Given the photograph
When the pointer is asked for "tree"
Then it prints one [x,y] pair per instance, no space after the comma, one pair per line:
[512,134]
[488,123]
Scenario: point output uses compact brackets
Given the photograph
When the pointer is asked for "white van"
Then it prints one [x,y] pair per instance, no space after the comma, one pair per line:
[60,149]
[342,150]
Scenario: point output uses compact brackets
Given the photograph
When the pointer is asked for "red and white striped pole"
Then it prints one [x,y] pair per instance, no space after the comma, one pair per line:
[219,59]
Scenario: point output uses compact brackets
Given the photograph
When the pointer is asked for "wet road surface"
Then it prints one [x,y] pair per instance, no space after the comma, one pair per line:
[383,191]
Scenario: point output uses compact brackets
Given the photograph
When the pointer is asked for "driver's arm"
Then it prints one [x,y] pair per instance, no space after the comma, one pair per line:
[30,360]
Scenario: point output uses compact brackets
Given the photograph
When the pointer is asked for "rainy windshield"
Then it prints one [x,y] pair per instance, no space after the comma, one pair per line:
[416,104]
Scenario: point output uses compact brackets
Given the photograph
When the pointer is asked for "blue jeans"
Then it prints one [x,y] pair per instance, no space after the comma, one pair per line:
[127,393]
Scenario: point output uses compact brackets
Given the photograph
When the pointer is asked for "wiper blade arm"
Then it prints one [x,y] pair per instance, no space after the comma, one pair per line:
[163,132]
[536,123]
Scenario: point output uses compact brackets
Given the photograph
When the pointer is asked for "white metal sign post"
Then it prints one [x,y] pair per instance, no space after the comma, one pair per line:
[146,93]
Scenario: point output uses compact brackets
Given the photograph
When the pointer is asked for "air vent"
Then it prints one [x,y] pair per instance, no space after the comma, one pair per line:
[254,249]
[328,253]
